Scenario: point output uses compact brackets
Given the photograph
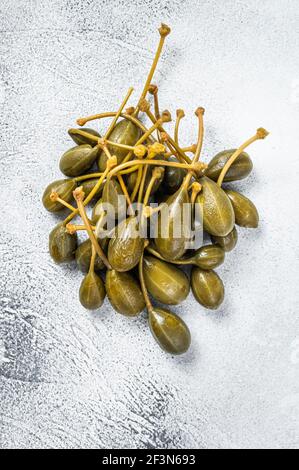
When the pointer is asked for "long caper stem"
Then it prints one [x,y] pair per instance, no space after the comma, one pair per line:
[153,90]
[181,155]
[125,191]
[79,196]
[185,166]
[137,182]
[73,228]
[92,259]
[179,115]
[199,113]
[55,198]
[164,30]
[141,187]
[134,120]
[148,303]
[114,121]
[86,177]
[261,133]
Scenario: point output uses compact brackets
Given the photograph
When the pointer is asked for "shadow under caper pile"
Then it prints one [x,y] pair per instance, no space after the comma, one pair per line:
[145,164]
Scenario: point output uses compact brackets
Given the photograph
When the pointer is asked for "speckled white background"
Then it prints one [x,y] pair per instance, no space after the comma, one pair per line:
[70,378]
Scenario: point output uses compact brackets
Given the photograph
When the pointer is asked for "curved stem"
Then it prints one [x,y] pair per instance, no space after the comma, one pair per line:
[199,113]
[83,121]
[122,166]
[137,183]
[141,187]
[179,115]
[260,134]
[155,253]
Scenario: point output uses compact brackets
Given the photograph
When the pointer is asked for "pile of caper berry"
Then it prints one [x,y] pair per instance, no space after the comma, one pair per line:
[144,164]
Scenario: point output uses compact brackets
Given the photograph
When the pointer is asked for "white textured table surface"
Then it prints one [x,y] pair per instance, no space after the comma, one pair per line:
[70,378]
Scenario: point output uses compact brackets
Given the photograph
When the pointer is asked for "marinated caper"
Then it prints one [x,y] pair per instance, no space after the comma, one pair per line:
[215,207]
[77,160]
[111,193]
[64,189]
[126,246]
[207,287]
[169,330]
[208,257]
[92,291]
[125,132]
[173,177]
[83,257]
[62,245]
[80,139]
[228,242]
[124,293]
[169,244]
[246,213]
[239,169]
[164,281]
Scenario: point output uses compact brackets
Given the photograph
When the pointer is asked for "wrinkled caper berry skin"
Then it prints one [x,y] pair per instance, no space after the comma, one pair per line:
[215,207]
[173,177]
[207,288]
[110,195]
[246,213]
[164,281]
[77,160]
[126,246]
[239,169]
[64,189]
[88,185]
[124,293]
[208,257]
[228,242]
[92,291]
[172,247]
[169,330]
[125,132]
[83,257]
[62,245]
[80,139]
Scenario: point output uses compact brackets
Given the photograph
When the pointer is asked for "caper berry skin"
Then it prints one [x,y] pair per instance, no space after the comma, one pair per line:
[124,293]
[111,193]
[207,288]
[92,291]
[83,257]
[246,213]
[64,189]
[239,169]
[208,257]
[168,245]
[97,211]
[215,207]
[126,246]
[173,177]
[169,330]
[164,281]
[125,132]
[228,242]
[77,160]
[80,139]
[62,245]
